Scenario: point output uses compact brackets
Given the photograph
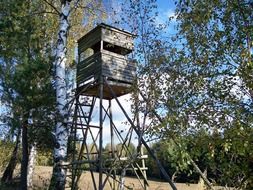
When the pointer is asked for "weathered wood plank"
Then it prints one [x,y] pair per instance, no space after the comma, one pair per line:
[87,60]
[111,35]
[119,67]
[115,67]
[119,71]
[90,63]
[89,40]
[109,53]
[87,73]
[90,66]
[118,77]
[117,38]
[90,71]
[118,83]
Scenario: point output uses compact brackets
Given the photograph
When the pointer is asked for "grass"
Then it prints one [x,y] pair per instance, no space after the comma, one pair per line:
[42,179]
[42,175]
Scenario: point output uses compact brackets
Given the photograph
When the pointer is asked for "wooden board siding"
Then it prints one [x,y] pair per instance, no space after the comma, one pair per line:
[105,63]
[90,67]
[89,39]
[108,34]
[117,67]
[121,39]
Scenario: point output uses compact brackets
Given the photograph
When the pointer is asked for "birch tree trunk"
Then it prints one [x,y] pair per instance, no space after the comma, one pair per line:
[25,155]
[61,132]
[31,164]
[122,179]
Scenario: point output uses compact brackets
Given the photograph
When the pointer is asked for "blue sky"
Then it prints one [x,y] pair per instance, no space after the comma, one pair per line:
[165,8]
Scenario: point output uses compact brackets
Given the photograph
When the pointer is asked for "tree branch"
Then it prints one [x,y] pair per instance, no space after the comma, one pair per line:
[90,8]
[45,12]
[52,6]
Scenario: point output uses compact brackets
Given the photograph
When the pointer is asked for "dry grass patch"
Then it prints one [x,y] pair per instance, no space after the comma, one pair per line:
[41,179]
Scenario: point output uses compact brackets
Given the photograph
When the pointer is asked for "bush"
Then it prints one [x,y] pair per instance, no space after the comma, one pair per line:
[44,158]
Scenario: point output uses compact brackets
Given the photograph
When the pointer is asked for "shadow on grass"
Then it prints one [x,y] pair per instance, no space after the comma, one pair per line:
[14,185]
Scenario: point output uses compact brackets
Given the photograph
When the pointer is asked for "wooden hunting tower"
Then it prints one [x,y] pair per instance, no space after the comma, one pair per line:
[102,52]
[103,74]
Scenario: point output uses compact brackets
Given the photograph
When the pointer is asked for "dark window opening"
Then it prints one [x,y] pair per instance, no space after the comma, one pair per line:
[96,47]
[115,49]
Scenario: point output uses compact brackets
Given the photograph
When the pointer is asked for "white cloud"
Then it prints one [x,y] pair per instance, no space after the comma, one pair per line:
[165,16]
[171,15]
[119,119]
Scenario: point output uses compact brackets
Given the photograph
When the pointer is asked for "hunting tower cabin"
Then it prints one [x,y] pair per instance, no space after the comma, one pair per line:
[103,52]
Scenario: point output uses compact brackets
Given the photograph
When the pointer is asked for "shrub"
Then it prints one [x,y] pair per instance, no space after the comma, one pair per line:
[44,158]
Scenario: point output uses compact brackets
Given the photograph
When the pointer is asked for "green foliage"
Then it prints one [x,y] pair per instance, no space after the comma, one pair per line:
[25,63]
[44,158]
[226,162]
[174,159]
[126,149]
[201,80]
[28,32]
[26,88]
[216,42]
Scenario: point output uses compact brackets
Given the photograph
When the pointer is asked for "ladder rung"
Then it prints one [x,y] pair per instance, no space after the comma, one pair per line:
[77,140]
[83,162]
[81,128]
[76,124]
[83,124]
[87,105]
[78,116]
[73,123]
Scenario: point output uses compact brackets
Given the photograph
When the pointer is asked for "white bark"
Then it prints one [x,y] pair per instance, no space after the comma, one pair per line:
[61,132]
[31,165]
[122,179]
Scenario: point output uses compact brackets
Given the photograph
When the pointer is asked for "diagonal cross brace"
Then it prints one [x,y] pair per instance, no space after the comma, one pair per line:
[161,168]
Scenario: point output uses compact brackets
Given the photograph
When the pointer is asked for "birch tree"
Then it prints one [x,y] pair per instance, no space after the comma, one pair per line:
[61,131]
[31,165]
[68,8]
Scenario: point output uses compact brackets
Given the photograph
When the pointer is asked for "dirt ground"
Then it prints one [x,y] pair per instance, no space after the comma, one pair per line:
[42,175]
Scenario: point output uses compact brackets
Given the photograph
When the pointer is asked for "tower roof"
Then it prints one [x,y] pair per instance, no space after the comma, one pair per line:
[106,26]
